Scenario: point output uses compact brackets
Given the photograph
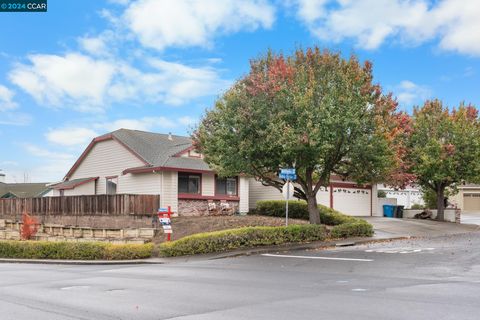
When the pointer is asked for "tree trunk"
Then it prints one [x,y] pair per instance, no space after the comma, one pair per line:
[440,203]
[313,212]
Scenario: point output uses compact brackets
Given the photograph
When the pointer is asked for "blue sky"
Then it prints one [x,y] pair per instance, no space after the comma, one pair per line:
[85,68]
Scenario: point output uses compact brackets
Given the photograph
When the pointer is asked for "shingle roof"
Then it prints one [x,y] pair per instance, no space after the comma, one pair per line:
[70,184]
[160,150]
[22,190]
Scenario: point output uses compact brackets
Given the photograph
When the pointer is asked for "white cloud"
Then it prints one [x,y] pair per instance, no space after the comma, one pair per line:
[371,22]
[162,23]
[179,83]
[144,124]
[93,45]
[168,82]
[9,163]
[6,99]
[187,121]
[71,136]
[86,84]
[15,118]
[409,93]
[73,79]
[120,2]
[45,153]
[51,166]
[9,115]
[79,136]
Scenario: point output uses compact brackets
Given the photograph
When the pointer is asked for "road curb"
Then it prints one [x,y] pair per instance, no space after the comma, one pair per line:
[81,262]
[302,246]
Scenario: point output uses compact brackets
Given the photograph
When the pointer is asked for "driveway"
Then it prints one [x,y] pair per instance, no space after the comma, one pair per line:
[470,217]
[388,227]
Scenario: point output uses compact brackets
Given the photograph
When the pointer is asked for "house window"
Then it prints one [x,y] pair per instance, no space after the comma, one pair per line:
[189,183]
[226,186]
[112,185]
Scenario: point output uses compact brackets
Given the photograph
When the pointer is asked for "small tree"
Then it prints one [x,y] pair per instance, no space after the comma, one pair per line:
[313,111]
[29,226]
[444,148]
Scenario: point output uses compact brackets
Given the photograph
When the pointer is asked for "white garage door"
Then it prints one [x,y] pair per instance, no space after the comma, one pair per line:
[352,201]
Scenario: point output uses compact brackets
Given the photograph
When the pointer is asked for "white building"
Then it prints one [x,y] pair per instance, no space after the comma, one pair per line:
[405,197]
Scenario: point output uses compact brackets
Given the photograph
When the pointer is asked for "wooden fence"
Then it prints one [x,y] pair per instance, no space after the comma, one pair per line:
[120,204]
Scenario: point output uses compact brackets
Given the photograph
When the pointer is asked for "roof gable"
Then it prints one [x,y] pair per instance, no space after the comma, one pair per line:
[155,150]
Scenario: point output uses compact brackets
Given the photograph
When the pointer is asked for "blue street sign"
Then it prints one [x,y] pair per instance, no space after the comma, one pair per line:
[288,171]
[288,176]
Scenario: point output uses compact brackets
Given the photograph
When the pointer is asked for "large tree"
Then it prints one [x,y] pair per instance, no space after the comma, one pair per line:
[444,148]
[313,111]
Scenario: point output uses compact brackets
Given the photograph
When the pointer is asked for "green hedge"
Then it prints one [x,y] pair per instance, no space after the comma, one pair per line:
[276,208]
[344,226]
[73,250]
[299,210]
[359,228]
[225,240]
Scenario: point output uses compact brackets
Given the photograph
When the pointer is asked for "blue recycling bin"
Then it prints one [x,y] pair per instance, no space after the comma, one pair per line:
[388,210]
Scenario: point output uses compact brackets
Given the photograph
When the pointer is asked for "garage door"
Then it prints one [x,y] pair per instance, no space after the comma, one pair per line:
[352,201]
[471,201]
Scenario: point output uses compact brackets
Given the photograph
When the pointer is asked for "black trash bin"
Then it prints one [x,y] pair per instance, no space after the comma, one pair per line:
[399,211]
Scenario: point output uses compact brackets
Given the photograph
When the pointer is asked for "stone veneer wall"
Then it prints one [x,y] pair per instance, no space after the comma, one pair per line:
[188,207]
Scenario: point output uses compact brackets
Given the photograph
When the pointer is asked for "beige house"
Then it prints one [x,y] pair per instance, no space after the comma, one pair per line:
[467,198]
[138,162]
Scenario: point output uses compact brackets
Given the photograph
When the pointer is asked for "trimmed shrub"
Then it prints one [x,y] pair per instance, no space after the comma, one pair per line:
[358,228]
[333,217]
[299,210]
[276,208]
[225,240]
[73,250]
[344,226]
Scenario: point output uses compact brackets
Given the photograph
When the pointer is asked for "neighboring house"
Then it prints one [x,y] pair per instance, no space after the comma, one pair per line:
[344,196]
[405,197]
[467,198]
[21,190]
[138,162]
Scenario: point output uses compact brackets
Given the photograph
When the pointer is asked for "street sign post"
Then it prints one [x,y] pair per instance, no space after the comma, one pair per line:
[288,190]
[164,215]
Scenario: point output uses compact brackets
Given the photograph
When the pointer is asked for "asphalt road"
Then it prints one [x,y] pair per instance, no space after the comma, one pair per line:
[411,279]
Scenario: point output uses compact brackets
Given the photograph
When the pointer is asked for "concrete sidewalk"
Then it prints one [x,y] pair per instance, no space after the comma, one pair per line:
[390,227]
